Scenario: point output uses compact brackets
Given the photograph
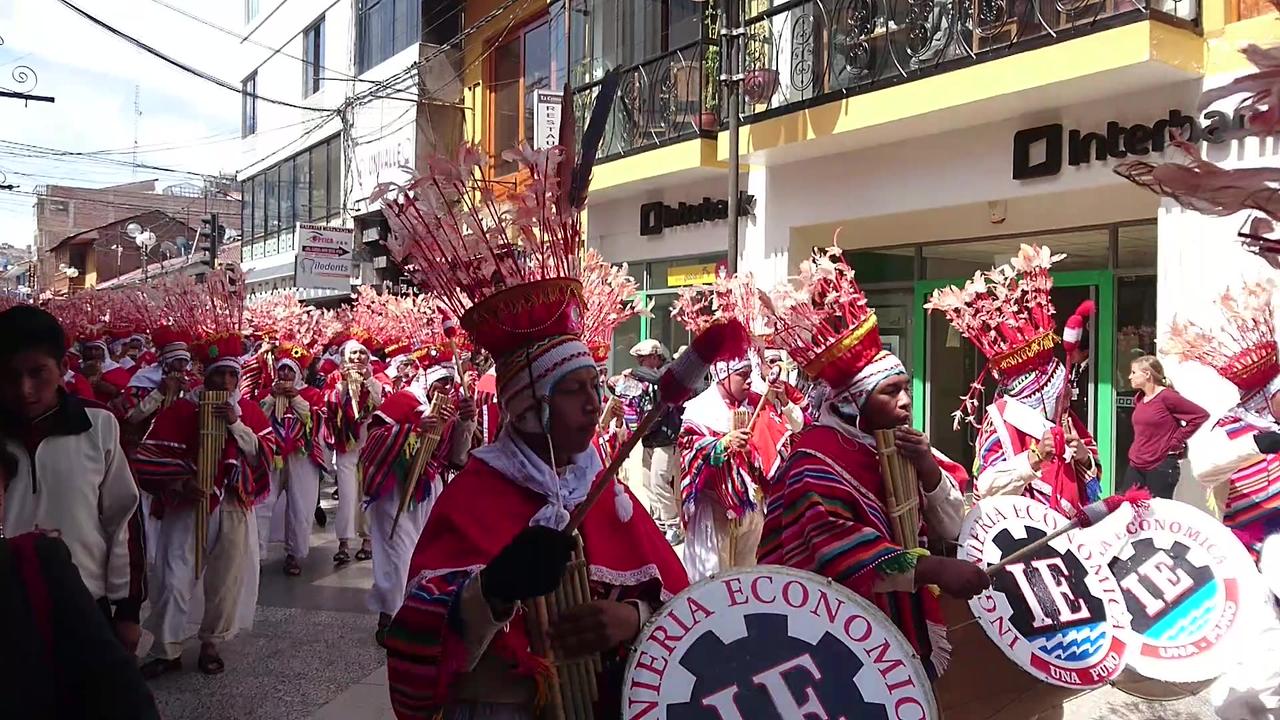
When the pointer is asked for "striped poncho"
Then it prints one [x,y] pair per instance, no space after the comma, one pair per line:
[298,433]
[825,515]
[1002,467]
[733,480]
[392,444]
[1253,495]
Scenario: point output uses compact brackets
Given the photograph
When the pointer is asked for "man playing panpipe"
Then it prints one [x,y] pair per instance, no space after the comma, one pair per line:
[352,395]
[167,467]
[730,441]
[458,648]
[829,508]
[430,406]
[1031,443]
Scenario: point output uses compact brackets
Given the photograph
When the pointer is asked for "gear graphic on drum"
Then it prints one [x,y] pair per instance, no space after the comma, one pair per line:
[730,670]
[1171,592]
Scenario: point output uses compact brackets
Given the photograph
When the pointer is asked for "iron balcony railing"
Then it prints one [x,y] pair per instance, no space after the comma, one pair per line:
[804,53]
[664,99]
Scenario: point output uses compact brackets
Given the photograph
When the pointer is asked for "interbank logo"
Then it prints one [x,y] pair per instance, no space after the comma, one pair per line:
[1040,151]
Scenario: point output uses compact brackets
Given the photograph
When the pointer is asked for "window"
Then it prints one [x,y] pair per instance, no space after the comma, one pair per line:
[250,10]
[384,28]
[303,188]
[319,188]
[249,105]
[443,23]
[313,58]
[617,33]
[55,207]
[532,60]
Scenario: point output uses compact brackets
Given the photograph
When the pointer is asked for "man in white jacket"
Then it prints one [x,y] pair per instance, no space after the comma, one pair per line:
[72,475]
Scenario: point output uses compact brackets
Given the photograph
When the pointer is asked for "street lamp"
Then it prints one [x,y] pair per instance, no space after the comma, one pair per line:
[145,240]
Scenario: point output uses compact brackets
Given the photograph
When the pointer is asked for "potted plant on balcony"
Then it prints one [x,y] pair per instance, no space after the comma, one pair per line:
[760,78]
[709,119]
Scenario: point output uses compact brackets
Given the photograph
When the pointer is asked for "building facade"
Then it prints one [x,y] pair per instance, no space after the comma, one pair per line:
[337,99]
[929,138]
[62,211]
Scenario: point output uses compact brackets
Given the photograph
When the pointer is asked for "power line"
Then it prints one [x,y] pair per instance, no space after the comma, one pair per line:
[24,150]
[181,65]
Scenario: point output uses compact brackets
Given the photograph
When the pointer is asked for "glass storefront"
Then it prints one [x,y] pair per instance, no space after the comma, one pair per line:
[660,282]
[1112,265]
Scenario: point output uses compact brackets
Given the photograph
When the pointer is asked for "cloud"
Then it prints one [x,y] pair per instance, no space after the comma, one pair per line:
[186,123]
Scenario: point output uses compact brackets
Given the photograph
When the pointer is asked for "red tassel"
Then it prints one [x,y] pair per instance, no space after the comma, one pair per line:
[721,341]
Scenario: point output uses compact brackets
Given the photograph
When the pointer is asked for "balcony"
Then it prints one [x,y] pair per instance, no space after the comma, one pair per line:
[662,100]
[802,54]
[805,53]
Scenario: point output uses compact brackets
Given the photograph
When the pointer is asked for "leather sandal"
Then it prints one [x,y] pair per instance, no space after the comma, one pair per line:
[210,663]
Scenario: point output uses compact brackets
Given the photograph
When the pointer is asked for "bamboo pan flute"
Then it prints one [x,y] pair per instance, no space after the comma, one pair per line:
[900,491]
[426,446]
[575,692]
[213,434]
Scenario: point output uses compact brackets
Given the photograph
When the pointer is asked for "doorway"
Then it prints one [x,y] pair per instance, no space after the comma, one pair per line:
[947,364]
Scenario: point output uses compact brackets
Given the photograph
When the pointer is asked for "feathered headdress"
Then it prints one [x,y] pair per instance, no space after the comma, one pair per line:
[1007,313]
[1243,348]
[210,313]
[610,295]
[730,296]
[510,270]
[823,320]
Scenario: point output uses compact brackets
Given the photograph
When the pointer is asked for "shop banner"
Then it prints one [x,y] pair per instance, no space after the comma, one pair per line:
[324,257]
[546,118]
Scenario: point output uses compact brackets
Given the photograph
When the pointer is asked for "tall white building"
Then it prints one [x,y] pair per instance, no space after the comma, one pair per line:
[337,98]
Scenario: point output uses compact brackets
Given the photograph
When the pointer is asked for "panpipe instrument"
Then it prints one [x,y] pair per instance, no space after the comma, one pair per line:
[282,406]
[574,691]
[213,437]
[901,495]
[427,443]
[612,409]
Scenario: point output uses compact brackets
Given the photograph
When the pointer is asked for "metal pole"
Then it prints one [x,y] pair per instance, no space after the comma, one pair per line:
[729,33]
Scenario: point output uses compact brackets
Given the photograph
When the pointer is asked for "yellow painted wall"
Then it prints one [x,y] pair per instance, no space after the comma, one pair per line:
[477,46]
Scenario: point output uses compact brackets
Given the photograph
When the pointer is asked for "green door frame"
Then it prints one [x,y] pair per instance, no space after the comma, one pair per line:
[1103,353]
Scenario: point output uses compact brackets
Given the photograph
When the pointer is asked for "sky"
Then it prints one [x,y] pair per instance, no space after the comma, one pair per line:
[186,123]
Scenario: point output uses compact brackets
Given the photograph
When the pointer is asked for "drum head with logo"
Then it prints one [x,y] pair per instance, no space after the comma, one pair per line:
[1057,612]
[772,643]
[1190,588]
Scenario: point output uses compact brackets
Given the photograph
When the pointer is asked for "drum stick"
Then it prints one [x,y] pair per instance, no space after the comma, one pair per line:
[774,374]
[721,341]
[1089,515]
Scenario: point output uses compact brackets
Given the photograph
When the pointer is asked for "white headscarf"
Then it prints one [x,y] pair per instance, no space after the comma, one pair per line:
[298,381]
[843,409]
[561,492]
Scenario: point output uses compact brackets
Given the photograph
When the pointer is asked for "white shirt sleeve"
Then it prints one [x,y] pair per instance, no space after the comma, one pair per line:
[1007,477]
[146,407]
[1215,456]
[944,509]
[300,405]
[245,438]
[794,416]
[478,623]
[460,441]
[117,501]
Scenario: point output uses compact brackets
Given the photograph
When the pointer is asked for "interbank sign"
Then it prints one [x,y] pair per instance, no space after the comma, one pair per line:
[657,216]
[1118,141]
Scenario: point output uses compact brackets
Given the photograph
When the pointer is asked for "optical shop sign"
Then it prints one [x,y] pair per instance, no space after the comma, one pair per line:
[324,257]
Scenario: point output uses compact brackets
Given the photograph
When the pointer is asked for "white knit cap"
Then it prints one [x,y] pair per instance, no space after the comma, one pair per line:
[527,377]
[438,372]
[722,369]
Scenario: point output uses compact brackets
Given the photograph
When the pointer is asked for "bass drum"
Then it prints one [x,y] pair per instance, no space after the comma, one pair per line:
[982,683]
[772,642]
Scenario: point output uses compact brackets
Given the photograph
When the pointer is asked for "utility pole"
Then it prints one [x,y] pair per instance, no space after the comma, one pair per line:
[732,79]
[215,239]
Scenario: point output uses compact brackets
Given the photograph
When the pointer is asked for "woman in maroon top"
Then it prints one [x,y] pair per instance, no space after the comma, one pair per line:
[1162,422]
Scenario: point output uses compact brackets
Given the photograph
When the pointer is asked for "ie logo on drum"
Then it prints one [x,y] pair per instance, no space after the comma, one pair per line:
[773,643]
[1058,612]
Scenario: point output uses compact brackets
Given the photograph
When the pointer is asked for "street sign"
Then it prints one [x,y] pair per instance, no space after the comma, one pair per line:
[324,257]
[546,118]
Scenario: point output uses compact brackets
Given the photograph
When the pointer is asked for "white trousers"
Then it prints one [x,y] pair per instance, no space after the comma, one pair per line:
[230,581]
[714,543]
[1250,687]
[392,551]
[350,521]
[289,512]
[661,471]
